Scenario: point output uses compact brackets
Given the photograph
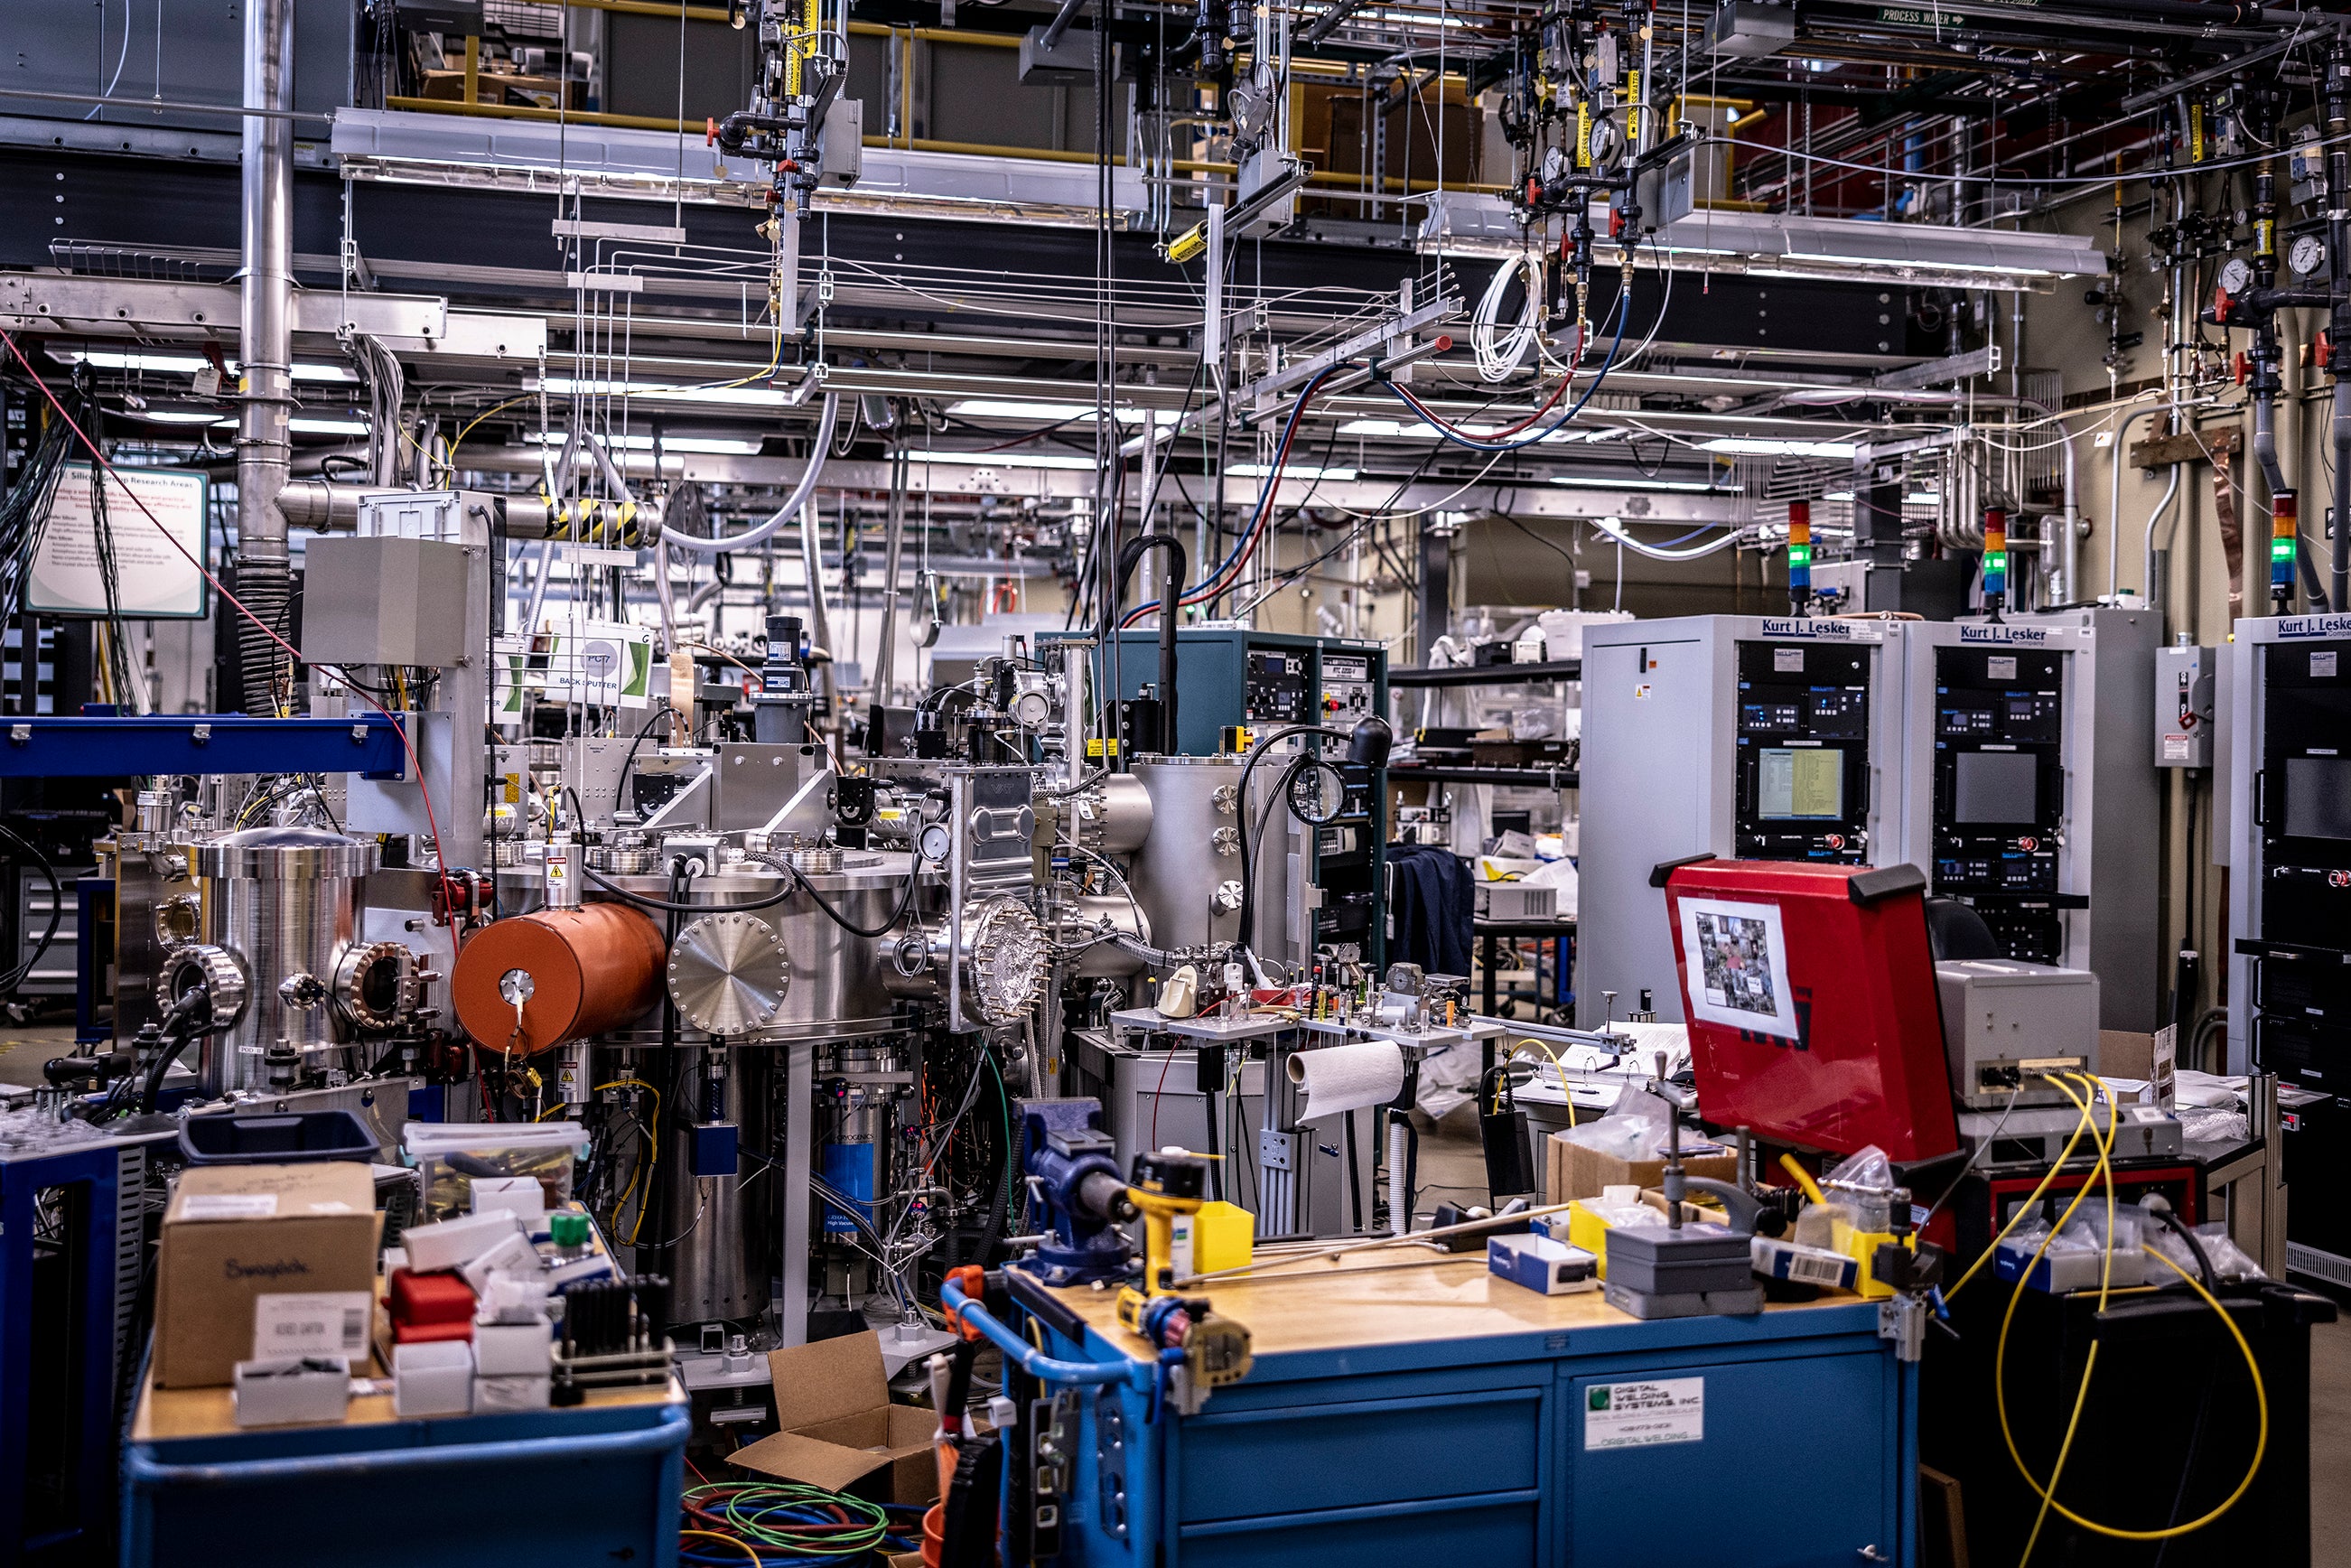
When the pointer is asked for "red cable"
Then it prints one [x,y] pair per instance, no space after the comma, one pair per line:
[218,586]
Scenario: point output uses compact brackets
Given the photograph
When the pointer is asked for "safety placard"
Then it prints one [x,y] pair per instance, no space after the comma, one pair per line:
[1643,1414]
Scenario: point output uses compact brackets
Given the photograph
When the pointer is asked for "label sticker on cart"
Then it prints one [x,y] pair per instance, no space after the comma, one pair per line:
[327,1322]
[1643,1414]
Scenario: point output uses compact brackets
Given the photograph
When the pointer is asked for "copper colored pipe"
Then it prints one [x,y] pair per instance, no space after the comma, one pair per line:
[590,969]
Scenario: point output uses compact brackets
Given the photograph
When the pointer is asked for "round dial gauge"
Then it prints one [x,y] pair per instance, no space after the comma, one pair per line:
[2307,256]
[2235,275]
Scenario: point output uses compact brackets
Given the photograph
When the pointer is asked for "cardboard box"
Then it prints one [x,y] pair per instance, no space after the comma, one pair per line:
[837,1429]
[235,1233]
[1573,1171]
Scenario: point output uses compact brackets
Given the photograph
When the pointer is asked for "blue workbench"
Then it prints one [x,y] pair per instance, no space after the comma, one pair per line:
[546,1488]
[1433,1416]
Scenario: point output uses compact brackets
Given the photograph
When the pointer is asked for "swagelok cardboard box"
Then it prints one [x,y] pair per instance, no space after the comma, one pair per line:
[235,1233]
[837,1429]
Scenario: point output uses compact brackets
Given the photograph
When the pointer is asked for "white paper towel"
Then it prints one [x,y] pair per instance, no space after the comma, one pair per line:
[1348,1077]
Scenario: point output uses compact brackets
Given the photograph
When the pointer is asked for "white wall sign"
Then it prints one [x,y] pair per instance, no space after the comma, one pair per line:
[152,581]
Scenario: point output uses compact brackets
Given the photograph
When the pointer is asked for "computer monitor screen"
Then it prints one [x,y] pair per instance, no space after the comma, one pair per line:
[2318,797]
[1996,786]
[1799,783]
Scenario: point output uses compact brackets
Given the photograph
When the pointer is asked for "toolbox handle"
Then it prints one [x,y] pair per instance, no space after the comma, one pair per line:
[671,1433]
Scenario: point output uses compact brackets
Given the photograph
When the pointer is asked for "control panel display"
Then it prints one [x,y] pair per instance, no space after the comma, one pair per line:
[1276,689]
[1999,797]
[1804,752]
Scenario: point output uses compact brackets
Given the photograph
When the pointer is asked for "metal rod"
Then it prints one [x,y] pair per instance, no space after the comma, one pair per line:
[264,447]
[159,105]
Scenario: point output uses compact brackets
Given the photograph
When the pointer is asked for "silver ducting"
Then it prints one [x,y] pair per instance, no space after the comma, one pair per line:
[265,579]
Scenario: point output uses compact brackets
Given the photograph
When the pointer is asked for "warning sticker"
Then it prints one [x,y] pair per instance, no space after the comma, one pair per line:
[1643,1414]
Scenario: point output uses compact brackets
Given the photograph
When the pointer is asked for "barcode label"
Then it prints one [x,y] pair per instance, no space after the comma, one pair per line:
[330,1322]
[1805,1269]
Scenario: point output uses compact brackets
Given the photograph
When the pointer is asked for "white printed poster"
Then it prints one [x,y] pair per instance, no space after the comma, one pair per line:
[152,579]
[1735,961]
[1644,1415]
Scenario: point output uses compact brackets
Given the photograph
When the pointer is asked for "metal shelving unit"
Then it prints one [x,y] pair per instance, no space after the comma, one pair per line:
[1491,674]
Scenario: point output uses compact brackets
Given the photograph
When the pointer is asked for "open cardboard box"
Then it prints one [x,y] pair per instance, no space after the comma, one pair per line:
[837,1429]
[1575,1171]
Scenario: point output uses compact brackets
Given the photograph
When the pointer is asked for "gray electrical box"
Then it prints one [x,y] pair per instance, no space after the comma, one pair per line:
[2183,707]
[2004,1020]
[1758,738]
[2031,791]
[385,600]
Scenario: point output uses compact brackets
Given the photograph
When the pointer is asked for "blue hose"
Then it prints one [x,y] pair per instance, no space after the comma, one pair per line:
[1035,1362]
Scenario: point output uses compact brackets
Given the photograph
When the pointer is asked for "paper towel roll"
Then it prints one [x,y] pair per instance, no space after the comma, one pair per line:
[1348,1077]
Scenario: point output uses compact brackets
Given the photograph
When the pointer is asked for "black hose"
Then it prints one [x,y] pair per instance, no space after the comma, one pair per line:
[1171,594]
[15,977]
[798,880]
[1240,815]
[178,1034]
[647,900]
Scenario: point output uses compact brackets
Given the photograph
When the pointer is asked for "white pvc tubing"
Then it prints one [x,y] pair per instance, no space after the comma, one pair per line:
[819,449]
[1695,553]
[1499,357]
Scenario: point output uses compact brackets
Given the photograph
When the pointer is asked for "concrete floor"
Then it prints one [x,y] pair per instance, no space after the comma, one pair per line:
[1453,1169]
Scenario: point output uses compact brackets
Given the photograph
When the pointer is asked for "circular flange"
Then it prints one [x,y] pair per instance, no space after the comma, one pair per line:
[221,976]
[378,983]
[1005,962]
[728,974]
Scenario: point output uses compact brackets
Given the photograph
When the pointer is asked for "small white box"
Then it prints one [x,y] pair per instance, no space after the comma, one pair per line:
[1546,1267]
[1517,901]
[521,1196]
[453,1243]
[515,1255]
[496,1394]
[284,1390]
[432,1378]
[514,1349]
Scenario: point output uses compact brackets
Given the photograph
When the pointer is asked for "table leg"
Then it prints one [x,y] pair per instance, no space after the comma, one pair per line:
[1487,961]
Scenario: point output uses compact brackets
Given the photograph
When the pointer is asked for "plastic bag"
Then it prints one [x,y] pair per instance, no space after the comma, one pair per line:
[1623,1137]
[2229,1262]
[450,1155]
[1865,1180]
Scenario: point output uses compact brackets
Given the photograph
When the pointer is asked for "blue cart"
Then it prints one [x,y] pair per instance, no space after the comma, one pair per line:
[1437,1415]
[549,1489]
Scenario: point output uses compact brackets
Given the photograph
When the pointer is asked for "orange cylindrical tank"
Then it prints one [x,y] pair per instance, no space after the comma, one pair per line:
[589,969]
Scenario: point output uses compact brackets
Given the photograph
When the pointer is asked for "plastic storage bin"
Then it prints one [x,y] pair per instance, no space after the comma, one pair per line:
[292,1138]
[450,1155]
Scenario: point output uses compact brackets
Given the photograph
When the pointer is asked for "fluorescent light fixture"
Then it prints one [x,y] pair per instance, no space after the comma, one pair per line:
[1759,446]
[1585,482]
[1838,496]
[664,392]
[182,416]
[714,445]
[302,426]
[188,364]
[1396,430]
[1923,497]
[1291,470]
[1006,460]
[1053,412]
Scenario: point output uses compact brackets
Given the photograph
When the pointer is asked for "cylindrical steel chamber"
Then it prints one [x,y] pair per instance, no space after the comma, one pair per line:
[284,904]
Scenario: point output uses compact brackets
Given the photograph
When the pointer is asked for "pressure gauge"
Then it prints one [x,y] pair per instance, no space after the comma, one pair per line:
[2308,256]
[2234,275]
[935,842]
